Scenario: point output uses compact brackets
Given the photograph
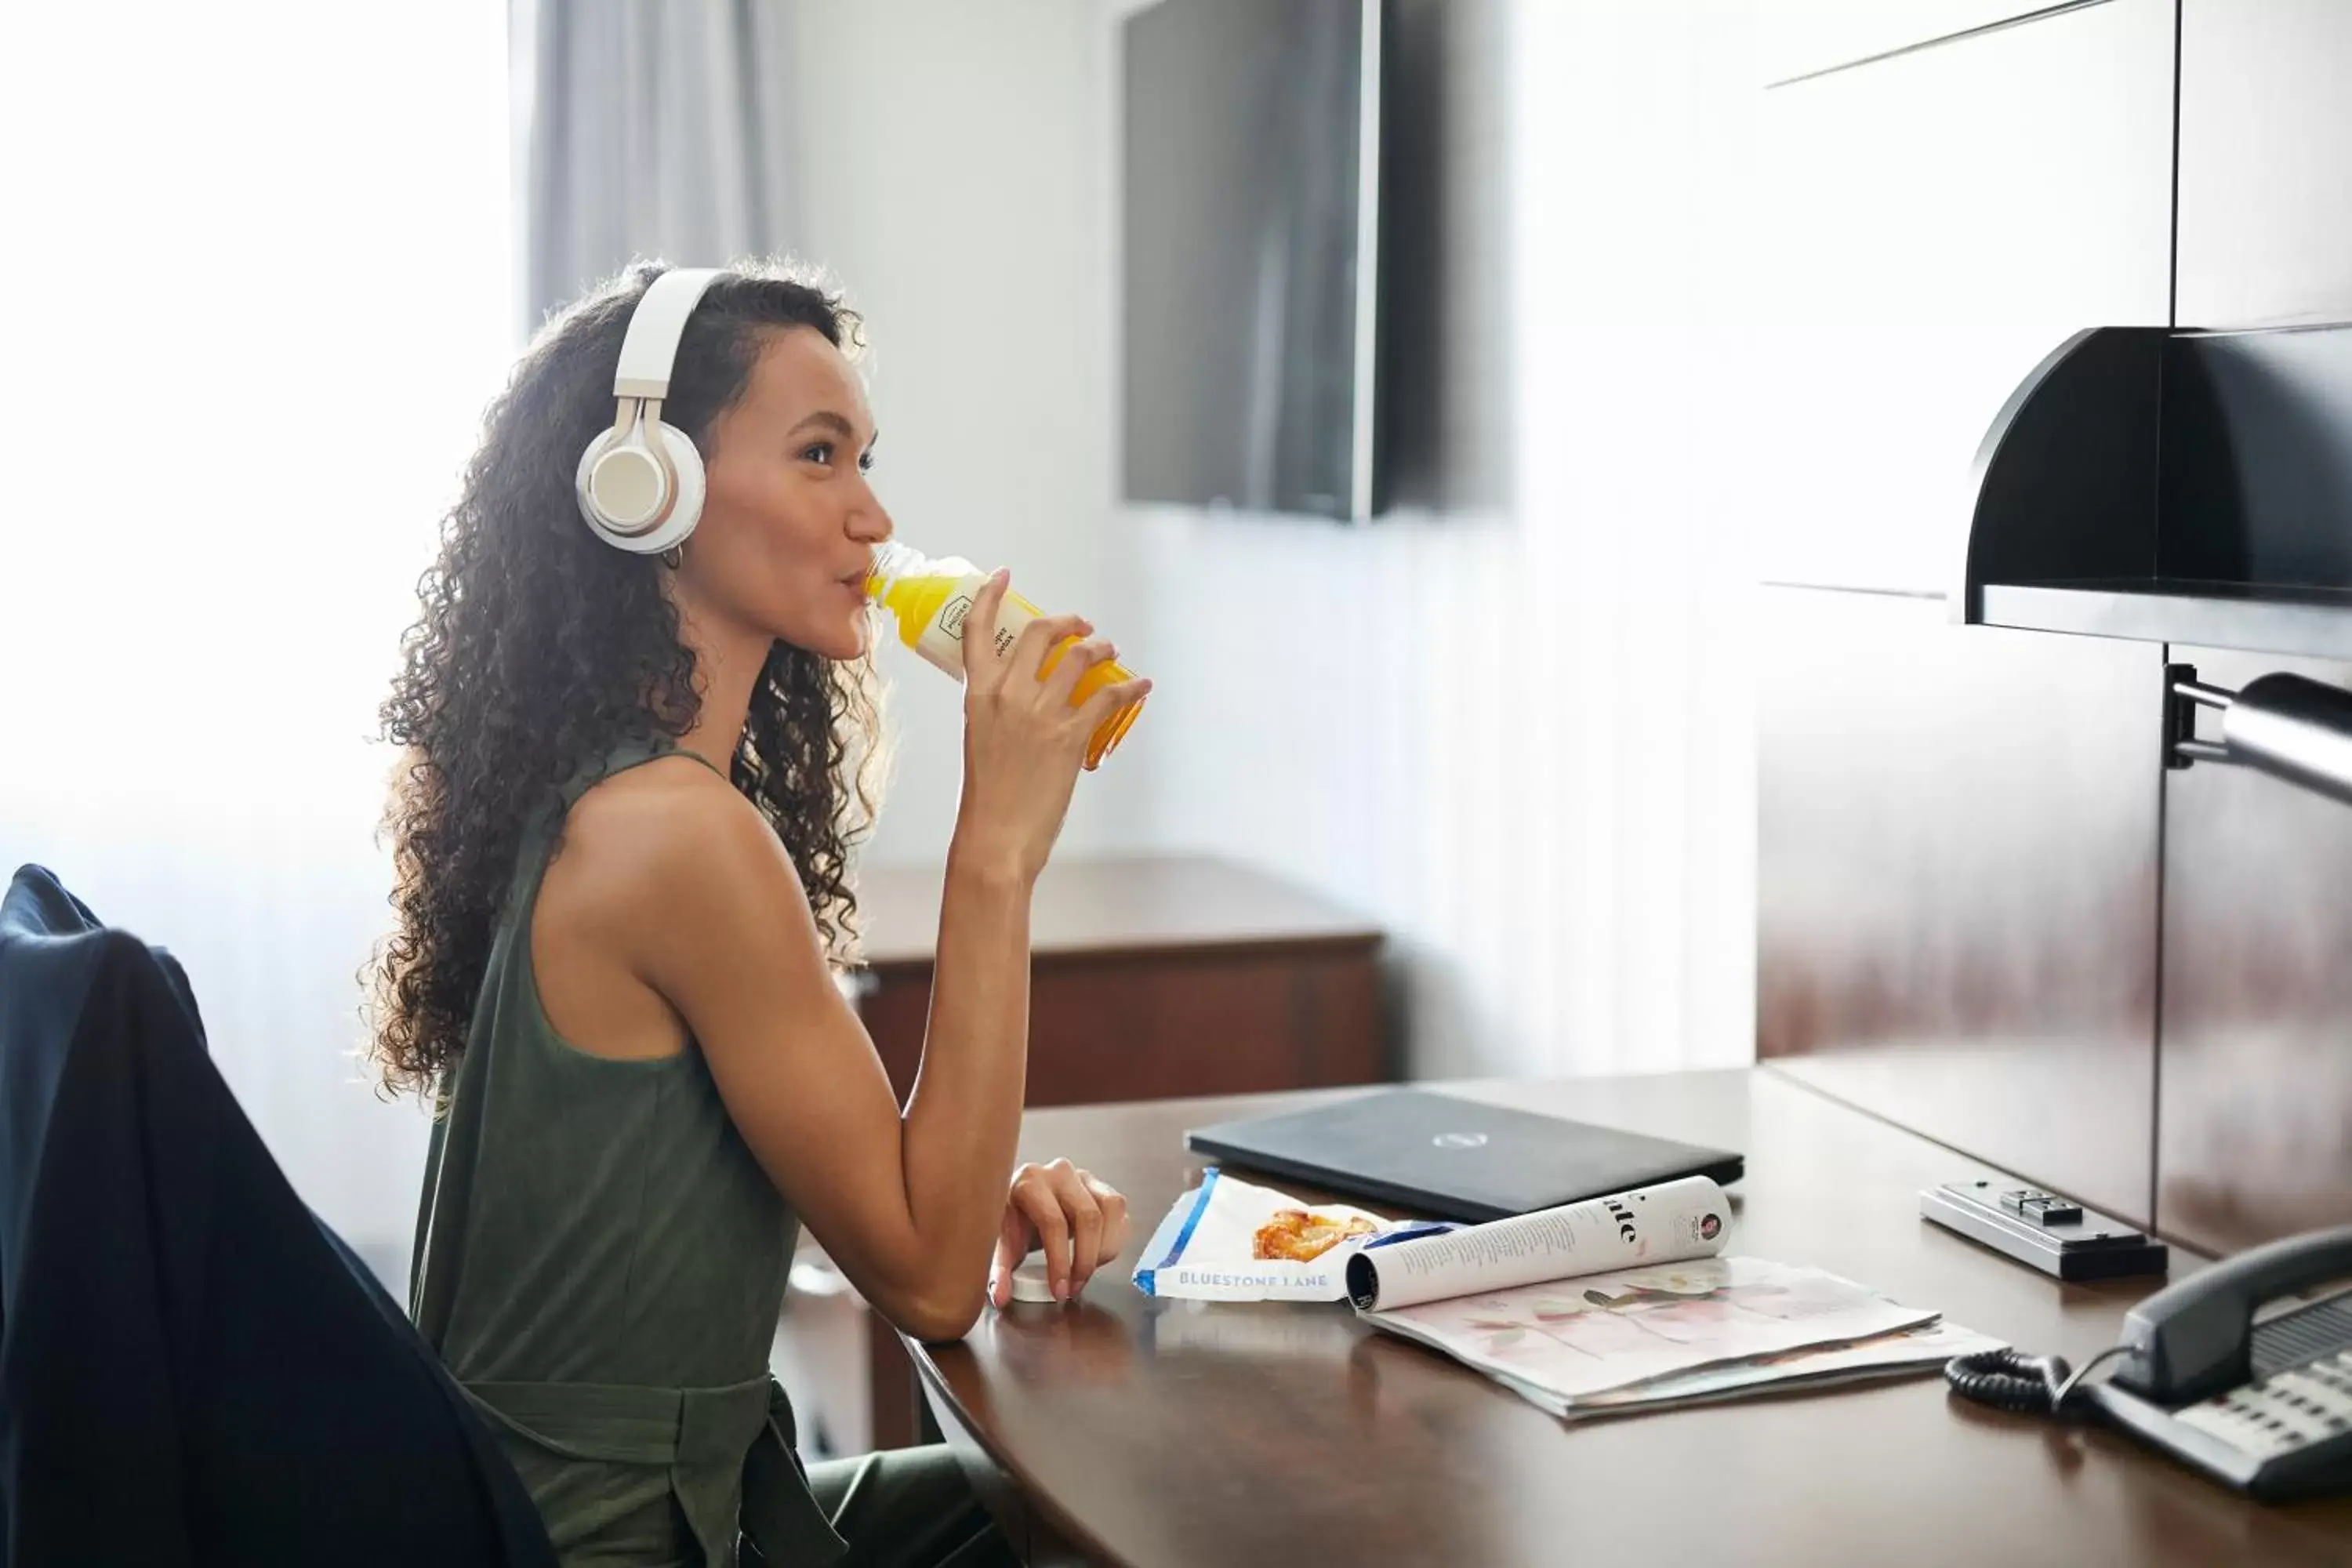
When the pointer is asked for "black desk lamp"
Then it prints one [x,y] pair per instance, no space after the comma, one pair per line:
[2284,725]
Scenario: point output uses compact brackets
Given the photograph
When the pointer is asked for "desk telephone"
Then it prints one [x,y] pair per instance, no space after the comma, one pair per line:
[2238,1371]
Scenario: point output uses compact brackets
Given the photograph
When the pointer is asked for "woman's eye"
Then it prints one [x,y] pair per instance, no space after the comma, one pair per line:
[821,452]
[865,462]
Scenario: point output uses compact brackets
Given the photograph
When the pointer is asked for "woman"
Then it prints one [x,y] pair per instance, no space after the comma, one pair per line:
[622,836]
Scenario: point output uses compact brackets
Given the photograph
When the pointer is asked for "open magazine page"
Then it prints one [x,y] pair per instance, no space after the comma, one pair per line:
[1569,1339]
[1923,1349]
[1664,1224]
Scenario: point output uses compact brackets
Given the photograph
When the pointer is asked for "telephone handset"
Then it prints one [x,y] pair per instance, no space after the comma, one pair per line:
[2259,1398]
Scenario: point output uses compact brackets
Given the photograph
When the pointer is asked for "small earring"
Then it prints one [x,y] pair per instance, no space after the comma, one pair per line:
[673,556]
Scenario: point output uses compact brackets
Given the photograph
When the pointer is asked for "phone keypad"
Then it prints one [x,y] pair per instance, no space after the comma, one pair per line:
[2283,1411]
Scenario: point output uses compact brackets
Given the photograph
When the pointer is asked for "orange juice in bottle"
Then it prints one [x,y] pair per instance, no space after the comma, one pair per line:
[929,598]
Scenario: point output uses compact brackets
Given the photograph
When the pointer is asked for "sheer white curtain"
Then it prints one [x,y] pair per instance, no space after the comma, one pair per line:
[652,129]
[259,288]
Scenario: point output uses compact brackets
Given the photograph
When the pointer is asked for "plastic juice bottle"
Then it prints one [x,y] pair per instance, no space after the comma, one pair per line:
[931,599]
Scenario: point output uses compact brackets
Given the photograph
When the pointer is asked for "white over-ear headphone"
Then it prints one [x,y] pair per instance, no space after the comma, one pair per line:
[640,482]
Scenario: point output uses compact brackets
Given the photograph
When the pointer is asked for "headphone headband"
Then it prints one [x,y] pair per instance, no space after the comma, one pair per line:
[650,348]
[640,483]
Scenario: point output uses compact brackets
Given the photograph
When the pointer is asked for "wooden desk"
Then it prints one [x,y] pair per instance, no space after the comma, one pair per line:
[1164,1433]
[1150,977]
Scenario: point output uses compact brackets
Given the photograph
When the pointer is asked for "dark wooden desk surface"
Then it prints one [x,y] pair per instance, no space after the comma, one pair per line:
[1167,1433]
[1118,905]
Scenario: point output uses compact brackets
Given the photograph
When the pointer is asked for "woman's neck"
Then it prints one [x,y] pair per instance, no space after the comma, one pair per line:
[729,661]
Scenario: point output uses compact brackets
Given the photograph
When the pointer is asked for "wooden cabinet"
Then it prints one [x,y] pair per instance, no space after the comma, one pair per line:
[1150,978]
[2265,137]
[1986,909]
[1956,881]
[2255,1123]
[2255,1086]
[1931,225]
[1957,848]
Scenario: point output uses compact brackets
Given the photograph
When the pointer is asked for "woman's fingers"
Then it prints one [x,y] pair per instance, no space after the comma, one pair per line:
[1037,639]
[1069,664]
[980,661]
[1110,699]
[1085,1228]
[1113,1203]
[1079,1220]
[1012,1247]
[1033,1193]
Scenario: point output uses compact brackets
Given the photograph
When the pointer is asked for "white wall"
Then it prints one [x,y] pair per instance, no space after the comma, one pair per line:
[955,189]
[1521,738]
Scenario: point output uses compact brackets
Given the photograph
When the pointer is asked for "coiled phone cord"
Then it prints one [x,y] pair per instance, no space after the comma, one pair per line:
[2010,1380]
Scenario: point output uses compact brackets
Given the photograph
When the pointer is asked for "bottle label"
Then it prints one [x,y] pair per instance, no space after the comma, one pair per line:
[941,643]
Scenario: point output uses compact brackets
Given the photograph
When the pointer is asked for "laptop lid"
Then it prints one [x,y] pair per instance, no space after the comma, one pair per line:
[1453,1158]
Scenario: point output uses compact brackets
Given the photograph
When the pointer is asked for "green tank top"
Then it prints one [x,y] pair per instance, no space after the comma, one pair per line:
[600,1262]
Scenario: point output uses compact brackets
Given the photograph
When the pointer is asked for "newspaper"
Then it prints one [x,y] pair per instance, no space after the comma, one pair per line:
[1923,1349]
[1634,1336]
[1616,1304]
[1627,1302]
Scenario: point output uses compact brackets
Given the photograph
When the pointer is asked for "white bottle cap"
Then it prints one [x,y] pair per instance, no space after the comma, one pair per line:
[1030,1281]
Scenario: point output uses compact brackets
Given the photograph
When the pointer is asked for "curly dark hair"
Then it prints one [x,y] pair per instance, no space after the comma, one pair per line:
[540,649]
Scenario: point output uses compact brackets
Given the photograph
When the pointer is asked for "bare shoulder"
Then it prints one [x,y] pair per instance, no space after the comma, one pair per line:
[670,852]
[662,827]
[670,805]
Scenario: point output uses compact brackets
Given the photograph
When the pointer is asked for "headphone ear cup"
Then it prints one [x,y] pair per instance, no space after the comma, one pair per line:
[687,510]
[686,506]
[583,488]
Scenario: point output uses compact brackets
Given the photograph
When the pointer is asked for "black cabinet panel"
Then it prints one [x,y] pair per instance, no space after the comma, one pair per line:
[2254,1125]
[1956,880]
[2265,162]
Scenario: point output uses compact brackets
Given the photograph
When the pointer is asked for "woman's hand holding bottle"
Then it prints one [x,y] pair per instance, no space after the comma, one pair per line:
[930,602]
[1025,740]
